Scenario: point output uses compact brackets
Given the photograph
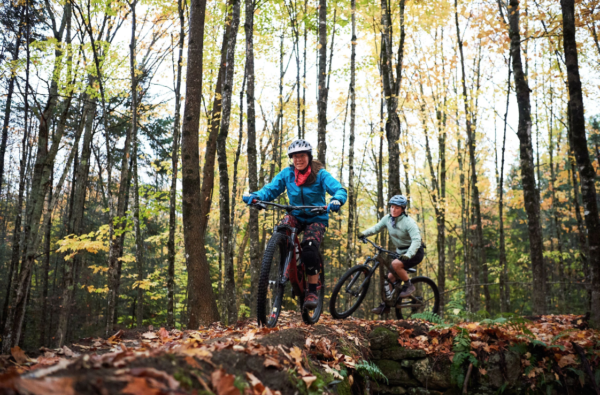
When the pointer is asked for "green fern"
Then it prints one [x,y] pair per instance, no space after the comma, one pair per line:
[462,357]
[428,316]
[371,370]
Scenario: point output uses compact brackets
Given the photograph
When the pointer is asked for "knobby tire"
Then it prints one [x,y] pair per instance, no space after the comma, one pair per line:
[277,245]
[342,284]
[435,306]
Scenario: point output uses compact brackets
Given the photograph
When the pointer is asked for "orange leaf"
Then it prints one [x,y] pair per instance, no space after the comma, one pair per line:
[256,384]
[164,335]
[272,362]
[566,360]
[222,383]
[139,386]
[48,385]
[19,355]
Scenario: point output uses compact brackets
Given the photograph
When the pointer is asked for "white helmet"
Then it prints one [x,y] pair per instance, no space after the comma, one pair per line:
[300,146]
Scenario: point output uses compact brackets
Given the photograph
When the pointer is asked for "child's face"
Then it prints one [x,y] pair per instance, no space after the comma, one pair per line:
[396,211]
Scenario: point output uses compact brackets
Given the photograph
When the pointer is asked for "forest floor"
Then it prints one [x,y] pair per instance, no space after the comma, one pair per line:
[292,358]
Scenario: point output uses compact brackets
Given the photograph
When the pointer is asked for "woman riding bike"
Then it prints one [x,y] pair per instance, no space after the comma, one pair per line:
[306,182]
[404,234]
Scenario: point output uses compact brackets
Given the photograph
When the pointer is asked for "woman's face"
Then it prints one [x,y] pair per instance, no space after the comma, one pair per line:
[396,211]
[300,160]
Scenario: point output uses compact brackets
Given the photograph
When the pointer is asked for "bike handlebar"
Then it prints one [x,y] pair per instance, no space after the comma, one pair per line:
[263,205]
[379,248]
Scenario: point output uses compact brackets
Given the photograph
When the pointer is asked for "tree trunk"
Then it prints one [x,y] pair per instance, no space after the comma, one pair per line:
[227,243]
[252,166]
[391,87]
[351,192]
[530,193]
[578,140]
[75,225]
[322,88]
[44,164]
[202,306]
[504,287]
[45,273]
[174,164]
[478,232]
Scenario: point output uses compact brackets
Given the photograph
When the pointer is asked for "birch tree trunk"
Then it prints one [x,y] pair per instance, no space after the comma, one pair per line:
[578,140]
[530,193]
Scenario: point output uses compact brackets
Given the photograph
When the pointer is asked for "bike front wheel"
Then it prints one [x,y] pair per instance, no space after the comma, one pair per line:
[349,292]
[270,287]
[426,299]
[311,317]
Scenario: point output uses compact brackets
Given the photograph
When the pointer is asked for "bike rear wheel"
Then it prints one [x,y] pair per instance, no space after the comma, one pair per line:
[349,292]
[311,317]
[270,288]
[426,299]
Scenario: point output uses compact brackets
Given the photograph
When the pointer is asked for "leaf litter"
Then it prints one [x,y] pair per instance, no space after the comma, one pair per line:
[218,358]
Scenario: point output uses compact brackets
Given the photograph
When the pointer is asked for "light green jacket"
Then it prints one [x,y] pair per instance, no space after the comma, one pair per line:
[405,236]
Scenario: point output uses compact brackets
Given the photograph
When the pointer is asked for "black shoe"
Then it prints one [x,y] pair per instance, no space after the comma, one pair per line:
[381,309]
[311,302]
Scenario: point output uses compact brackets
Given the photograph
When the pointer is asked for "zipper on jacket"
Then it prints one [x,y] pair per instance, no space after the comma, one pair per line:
[302,195]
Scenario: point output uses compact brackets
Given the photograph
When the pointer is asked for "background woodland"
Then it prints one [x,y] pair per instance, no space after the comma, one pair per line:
[129,135]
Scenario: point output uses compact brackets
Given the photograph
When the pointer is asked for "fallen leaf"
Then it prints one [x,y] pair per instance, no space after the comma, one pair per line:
[296,353]
[149,335]
[48,385]
[222,383]
[139,386]
[272,362]
[156,374]
[164,335]
[19,355]
[567,360]
[482,371]
[308,380]
[68,352]
[257,385]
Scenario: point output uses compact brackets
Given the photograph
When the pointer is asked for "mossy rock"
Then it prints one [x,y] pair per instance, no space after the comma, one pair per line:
[501,371]
[382,338]
[435,375]
[395,374]
[387,389]
[399,353]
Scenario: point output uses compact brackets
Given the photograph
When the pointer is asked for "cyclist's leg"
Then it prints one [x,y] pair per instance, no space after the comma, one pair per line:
[401,266]
[289,220]
[313,236]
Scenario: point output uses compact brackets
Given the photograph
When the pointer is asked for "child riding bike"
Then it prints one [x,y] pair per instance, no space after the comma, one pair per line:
[406,237]
[306,182]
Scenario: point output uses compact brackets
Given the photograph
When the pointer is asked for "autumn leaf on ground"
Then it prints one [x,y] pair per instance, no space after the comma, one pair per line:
[567,360]
[48,385]
[308,380]
[164,335]
[139,386]
[222,383]
[272,362]
[19,355]
[149,335]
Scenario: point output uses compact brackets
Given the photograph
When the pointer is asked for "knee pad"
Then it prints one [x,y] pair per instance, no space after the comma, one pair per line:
[311,258]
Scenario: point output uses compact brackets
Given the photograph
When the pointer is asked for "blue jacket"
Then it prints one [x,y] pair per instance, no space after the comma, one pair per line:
[311,195]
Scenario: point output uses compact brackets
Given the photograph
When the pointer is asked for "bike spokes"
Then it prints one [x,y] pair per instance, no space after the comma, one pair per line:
[349,292]
[425,299]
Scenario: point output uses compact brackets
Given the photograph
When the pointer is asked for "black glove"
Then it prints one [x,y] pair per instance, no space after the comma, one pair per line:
[404,258]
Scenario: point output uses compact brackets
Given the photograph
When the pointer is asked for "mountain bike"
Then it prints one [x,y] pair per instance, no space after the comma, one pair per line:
[352,288]
[281,265]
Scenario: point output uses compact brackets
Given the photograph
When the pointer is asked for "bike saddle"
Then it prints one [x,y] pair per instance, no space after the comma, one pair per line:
[411,270]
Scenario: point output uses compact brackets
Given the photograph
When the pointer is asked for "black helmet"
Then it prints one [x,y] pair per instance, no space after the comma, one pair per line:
[300,146]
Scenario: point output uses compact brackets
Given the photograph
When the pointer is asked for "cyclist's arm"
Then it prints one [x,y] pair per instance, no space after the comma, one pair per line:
[377,228]
[273,189]
[415,236]
[334,188]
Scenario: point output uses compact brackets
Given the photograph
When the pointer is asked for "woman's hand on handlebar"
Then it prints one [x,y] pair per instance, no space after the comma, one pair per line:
[250,198]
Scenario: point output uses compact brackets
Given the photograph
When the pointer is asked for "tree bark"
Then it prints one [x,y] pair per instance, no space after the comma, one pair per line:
[351,193]
[227,243]
[202,306]
[530,193]
[578,141]
[174,165]
[322,88]
[391,87]
[475,203]
[252,166]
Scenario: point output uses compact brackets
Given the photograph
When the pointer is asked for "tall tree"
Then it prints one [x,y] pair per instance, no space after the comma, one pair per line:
[226,242]
[391,87]
[578,140]
[252,166]
[322,80]
[202,306]
[174,164]
[351,192]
